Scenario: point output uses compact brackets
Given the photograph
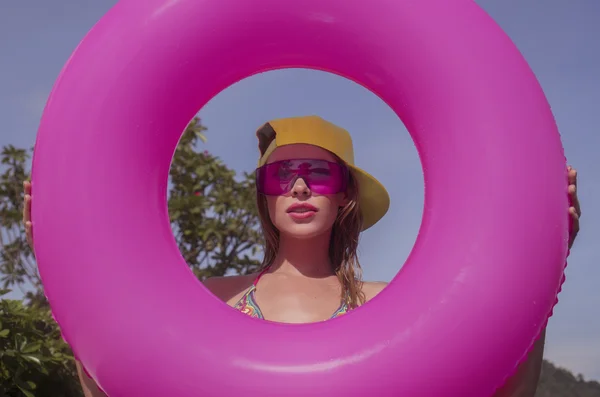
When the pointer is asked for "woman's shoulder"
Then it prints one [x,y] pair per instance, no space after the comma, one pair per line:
[228,287]
[372,288]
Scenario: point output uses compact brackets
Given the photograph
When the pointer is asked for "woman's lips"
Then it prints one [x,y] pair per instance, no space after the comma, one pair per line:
[301,211]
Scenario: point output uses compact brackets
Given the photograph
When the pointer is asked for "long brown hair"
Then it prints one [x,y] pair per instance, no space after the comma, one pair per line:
[343,243]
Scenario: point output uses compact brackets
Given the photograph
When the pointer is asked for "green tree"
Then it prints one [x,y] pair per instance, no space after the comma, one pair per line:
[214,220]
[34,360]
[213,213]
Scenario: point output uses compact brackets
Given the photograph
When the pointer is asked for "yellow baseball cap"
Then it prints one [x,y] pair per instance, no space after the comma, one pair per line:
[374,200]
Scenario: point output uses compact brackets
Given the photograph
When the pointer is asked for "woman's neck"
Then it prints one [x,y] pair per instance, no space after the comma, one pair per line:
[305,257]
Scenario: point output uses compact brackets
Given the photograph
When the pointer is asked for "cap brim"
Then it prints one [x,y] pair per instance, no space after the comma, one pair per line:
[374,199]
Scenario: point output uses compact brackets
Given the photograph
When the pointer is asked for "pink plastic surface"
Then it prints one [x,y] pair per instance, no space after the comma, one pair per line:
[476,290]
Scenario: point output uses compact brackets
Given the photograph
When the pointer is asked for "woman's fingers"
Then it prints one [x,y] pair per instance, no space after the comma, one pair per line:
[27,213]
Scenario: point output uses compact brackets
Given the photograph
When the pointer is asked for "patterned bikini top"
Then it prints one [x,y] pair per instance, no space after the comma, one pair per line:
[247,303]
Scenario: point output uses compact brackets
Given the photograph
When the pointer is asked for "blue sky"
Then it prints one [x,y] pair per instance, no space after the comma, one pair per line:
[558,38]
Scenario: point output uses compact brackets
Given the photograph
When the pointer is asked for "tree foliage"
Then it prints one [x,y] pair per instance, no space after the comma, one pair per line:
[34,360]
[214,220]
[213,214]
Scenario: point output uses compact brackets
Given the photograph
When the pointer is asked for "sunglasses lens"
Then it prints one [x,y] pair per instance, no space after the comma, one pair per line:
[321,177]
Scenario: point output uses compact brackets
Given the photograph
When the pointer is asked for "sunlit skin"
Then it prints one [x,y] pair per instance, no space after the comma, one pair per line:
[300,285]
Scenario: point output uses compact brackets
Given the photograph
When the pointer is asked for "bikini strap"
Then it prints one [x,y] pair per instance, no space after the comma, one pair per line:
[259,276]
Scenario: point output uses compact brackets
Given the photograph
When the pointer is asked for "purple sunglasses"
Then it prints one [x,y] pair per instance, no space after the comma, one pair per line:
[321,176]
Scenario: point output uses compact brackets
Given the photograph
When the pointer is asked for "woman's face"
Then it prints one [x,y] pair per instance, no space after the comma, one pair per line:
[301,212]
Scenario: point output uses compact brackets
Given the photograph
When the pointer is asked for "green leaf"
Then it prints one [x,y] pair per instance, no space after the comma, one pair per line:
[43,370]
[4,333]
[202,137]
[32,359]
[32,347]
[25,391]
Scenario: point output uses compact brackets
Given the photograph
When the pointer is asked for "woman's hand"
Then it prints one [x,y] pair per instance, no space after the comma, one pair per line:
[27,214]
[575,208]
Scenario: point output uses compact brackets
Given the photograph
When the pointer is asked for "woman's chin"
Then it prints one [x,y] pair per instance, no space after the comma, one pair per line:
[303,230]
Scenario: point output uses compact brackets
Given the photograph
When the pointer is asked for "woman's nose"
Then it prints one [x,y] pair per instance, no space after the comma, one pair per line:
[300,188]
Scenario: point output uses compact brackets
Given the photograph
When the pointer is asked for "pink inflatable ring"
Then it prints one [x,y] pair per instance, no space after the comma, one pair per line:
[476,290]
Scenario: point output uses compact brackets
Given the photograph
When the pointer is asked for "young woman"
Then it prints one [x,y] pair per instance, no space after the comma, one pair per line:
[313,203]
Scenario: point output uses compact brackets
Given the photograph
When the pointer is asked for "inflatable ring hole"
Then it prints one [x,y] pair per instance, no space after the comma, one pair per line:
[205,155]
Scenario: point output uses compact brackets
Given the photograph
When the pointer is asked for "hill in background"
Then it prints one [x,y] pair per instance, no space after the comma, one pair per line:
[559,382]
